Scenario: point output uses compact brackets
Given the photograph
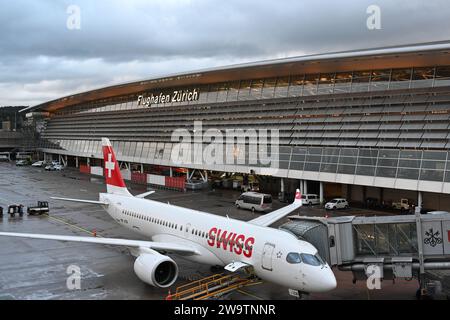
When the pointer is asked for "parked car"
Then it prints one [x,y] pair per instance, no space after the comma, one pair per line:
[310,199]
[54,167]
[337,203]
[254,201]
[21,163]
[58,167]
[38,164]
[403,205]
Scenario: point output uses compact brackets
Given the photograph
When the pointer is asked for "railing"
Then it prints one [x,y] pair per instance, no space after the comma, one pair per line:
[208,287]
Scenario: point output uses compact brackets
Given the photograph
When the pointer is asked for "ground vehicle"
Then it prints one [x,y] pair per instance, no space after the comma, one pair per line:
[15,208]
[403,205]
[254,201]
[252,186]
[54,167]
[310,199]
[58,167]
[41,208]
[38,164]
[338,203]
[21,163]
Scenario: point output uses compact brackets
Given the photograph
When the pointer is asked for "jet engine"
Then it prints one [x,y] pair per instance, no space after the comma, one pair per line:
[156,270]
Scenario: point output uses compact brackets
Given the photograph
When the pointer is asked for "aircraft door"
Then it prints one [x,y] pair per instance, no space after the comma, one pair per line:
[266,262]
[187,229]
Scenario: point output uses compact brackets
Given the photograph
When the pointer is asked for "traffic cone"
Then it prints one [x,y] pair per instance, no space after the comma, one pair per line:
[94,233]
[169,296]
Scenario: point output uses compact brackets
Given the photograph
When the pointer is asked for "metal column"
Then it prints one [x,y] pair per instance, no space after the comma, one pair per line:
[321,192]
[419,199]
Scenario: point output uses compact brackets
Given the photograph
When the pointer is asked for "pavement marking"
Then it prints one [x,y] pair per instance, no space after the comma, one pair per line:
[73,225]
[249,294]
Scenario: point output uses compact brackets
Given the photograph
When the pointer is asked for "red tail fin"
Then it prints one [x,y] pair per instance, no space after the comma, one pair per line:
[113,177]
[298,197]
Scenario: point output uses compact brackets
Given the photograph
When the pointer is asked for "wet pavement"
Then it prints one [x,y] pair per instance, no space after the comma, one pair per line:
[38,269]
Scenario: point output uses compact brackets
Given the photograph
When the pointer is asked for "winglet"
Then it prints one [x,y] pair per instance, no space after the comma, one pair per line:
[298,197]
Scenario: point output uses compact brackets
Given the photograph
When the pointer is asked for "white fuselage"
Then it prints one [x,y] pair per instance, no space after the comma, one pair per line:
[263,248]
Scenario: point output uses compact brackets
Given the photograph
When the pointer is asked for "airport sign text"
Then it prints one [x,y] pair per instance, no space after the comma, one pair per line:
[175,96]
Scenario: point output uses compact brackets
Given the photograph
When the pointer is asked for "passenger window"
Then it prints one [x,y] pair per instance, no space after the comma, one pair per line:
[293,257]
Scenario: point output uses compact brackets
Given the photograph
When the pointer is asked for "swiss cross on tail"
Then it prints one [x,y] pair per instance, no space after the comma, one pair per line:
[113,177]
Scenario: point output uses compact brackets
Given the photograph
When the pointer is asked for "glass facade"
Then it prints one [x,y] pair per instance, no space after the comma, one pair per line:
[400,164]
[293,86]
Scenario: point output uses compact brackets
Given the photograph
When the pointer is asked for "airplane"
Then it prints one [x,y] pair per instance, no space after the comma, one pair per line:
[270,254]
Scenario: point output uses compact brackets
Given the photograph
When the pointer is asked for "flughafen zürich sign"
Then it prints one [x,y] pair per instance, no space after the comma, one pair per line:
[175,96]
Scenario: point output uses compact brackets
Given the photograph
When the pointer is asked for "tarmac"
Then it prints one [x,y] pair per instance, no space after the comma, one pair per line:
[41,269]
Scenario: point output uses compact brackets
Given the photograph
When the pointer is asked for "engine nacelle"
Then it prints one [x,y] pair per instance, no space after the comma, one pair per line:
[156,270]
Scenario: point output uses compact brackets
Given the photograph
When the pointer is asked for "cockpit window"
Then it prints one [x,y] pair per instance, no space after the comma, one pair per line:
[311,259]
[293,257]
[320,259]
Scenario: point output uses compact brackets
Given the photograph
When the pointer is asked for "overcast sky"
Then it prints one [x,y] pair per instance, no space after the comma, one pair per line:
[42,59]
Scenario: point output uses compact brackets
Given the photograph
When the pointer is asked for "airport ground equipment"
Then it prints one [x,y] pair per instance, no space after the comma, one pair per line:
[15,208]
[211,287]
[402,205]
[41,208]
[400,246]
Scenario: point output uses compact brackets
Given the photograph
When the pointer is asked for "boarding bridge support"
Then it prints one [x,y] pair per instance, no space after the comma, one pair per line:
[401,246]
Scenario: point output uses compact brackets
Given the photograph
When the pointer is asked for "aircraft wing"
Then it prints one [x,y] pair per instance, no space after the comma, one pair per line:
[267,219]
[81,201]
[157,246]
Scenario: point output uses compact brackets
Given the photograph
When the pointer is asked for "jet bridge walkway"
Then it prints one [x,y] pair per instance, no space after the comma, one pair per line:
[401,246]
[211,287]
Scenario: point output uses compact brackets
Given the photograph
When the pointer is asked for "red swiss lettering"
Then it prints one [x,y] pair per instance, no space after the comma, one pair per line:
[239,243]
[212,237]
[249,247]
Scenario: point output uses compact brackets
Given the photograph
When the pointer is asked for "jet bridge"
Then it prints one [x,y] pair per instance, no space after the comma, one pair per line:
[402,246]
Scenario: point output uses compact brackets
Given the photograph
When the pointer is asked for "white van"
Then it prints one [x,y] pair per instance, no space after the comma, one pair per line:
[254,201]
[310,199]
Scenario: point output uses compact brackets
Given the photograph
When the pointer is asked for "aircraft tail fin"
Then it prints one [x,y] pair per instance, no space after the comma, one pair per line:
[113,177]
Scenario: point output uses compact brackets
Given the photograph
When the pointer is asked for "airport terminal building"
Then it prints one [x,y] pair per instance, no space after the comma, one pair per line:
[372,123]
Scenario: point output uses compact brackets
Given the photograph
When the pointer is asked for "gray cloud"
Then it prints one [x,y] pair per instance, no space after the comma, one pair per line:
[40,59]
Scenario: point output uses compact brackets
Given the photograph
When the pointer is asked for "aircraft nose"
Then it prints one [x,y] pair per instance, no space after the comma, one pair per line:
[328,280]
